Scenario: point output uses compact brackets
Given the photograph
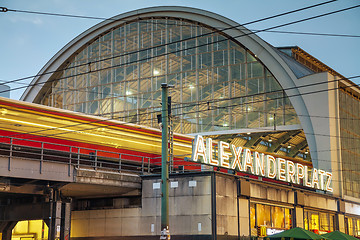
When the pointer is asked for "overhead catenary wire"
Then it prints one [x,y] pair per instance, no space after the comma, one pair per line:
[269,31]
[148,58]
[201,35]
[4,9]
[106,120]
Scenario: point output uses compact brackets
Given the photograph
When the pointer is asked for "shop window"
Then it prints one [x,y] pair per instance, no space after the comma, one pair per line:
[314,222]
[263,215]
[277,217]
[350,226]
[266,219]
[324,220]
[288,221]
[319,222]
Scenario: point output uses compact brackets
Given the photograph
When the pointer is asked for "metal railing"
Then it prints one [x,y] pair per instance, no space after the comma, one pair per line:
[79,157]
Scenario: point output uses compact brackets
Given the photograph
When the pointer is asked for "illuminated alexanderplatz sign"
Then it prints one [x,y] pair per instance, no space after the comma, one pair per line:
[244,160]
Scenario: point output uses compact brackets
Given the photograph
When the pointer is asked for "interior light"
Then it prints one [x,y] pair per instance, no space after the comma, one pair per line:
[271,118]
[249,109]
[191,86]
[306,152]
[289,146]
[270,140]
[128,92]
[248,133]
[225,125]
[156,72]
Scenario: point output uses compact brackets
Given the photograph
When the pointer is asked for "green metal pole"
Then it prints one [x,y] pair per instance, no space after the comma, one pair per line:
[165,165]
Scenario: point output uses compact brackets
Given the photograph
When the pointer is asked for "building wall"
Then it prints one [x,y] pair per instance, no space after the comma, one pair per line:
[206,205]
[226,206]
[190,212]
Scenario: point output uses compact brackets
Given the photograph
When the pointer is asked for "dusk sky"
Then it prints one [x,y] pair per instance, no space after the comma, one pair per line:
[28,41]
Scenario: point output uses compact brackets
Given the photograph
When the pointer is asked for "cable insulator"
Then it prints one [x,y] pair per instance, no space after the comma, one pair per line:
[3,9]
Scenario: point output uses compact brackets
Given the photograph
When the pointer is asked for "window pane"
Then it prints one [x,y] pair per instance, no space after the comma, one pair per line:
[278,217]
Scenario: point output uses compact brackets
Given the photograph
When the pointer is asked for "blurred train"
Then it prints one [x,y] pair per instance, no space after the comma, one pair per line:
[45,133]
[50,134]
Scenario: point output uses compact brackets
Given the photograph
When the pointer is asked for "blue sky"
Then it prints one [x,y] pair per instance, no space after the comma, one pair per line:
[28,41]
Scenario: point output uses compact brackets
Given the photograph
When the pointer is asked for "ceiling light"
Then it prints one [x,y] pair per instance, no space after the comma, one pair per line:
[156,72]
[289,146]
[270,140]
[248,133]
[128,92]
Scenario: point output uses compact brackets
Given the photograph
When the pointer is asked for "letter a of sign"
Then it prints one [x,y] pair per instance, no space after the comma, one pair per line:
[199,151]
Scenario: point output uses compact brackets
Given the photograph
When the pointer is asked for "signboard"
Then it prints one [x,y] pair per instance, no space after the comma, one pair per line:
[272,231]
[245,160]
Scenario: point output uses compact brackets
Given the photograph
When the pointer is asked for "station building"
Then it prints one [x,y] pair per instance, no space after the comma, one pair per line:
[230,86]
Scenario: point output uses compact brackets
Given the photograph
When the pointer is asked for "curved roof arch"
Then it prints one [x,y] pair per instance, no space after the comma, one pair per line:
[262,51]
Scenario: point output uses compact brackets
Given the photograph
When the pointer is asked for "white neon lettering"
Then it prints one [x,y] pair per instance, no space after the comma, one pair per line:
[290,172]
[236,159]
[199,152]
[223,156]
[321,179]
[306,180]
[280,162]
[247,161]
[209,152]
[259,163]
[270,167]
[328,182]
[314,178]
[265,165]
[299,172]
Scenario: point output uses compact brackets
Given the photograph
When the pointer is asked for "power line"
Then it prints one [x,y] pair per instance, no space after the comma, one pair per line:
[266,31]
[4,9]
[148,58]
[197,46]
[310,33]
[136,115]
[201,35]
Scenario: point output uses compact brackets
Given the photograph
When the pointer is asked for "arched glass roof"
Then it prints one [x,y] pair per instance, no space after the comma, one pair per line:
[219,85]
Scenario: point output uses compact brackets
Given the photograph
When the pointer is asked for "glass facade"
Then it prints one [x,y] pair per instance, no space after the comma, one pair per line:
[350,142]
[218,84]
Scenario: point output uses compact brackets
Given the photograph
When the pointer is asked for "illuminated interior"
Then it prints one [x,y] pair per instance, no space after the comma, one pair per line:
[264,216]
[30,230]
[218,84]
[319,222]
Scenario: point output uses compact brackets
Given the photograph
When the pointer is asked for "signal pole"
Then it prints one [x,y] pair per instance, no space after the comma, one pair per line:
[165,232]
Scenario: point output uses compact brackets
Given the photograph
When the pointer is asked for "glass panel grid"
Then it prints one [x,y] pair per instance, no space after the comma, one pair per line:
[219,85]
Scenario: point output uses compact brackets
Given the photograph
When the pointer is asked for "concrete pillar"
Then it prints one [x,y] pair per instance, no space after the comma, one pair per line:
[341,222]
[299,217]
[244,217]
[65,221]
[7,229]
[54,222]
